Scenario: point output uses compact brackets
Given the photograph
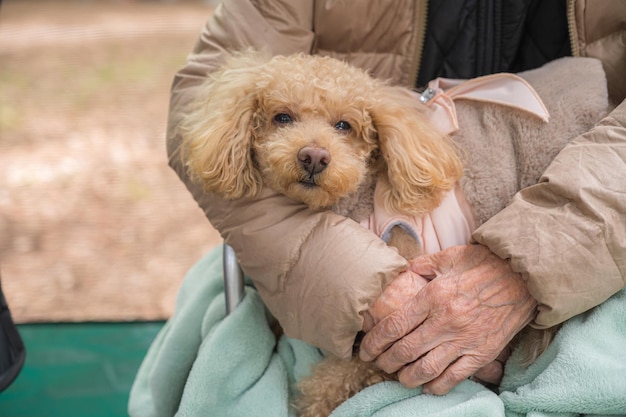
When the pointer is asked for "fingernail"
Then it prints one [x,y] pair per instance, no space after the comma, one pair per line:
[426,391]
[364,356]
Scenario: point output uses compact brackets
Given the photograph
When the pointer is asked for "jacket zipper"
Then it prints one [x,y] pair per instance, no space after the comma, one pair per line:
[489,25]
[421,21]
[572,28]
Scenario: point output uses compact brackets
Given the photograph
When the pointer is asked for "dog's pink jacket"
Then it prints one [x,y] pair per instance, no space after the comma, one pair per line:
[450,224]
[318,271]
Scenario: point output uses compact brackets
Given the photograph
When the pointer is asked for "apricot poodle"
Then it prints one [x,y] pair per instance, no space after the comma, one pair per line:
[323,133]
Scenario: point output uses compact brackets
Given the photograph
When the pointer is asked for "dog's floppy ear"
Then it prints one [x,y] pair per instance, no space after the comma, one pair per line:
[421,162]
[218,132]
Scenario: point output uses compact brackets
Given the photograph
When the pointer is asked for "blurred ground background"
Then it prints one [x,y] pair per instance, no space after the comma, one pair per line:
[93,223]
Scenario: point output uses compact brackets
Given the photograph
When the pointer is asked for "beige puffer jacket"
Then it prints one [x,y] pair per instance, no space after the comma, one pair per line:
[318,271]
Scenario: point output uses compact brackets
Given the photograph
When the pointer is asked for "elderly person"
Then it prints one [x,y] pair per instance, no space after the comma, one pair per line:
[556,250]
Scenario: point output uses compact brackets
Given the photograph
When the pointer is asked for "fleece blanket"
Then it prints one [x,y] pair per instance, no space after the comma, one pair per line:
[206,363]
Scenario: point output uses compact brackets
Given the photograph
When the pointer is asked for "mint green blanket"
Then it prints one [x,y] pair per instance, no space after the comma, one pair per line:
[203,363]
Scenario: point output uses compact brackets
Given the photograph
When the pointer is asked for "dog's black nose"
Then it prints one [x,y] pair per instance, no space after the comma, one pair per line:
[314,160]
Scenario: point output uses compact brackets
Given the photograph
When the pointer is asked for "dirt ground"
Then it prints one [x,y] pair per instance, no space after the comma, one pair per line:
[93,223]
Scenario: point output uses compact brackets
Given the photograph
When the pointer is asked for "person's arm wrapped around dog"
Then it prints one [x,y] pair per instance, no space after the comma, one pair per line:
[288,250]
[570,225]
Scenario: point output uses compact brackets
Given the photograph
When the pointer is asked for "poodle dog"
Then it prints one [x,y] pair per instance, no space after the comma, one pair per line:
[316,130]
[323,133]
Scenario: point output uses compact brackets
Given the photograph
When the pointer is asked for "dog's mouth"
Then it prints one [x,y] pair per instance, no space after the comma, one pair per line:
[308,182]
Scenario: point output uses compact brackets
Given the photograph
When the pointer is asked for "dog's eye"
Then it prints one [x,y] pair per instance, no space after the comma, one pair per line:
[283,118]
[343,125]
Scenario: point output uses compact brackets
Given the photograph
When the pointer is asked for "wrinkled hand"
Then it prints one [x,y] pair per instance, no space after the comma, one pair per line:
[398,293]
[491,374]
[455,325]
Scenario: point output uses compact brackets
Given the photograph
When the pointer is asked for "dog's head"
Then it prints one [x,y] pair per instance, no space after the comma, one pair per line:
[313,128]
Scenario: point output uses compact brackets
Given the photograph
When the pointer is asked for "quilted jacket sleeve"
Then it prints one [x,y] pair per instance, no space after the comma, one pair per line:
[567,234]
[314,283]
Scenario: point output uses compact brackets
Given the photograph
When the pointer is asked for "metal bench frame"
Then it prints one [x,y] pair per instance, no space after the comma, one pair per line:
[233,279]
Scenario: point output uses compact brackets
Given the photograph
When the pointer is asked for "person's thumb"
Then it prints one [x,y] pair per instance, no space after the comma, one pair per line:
[425,266]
